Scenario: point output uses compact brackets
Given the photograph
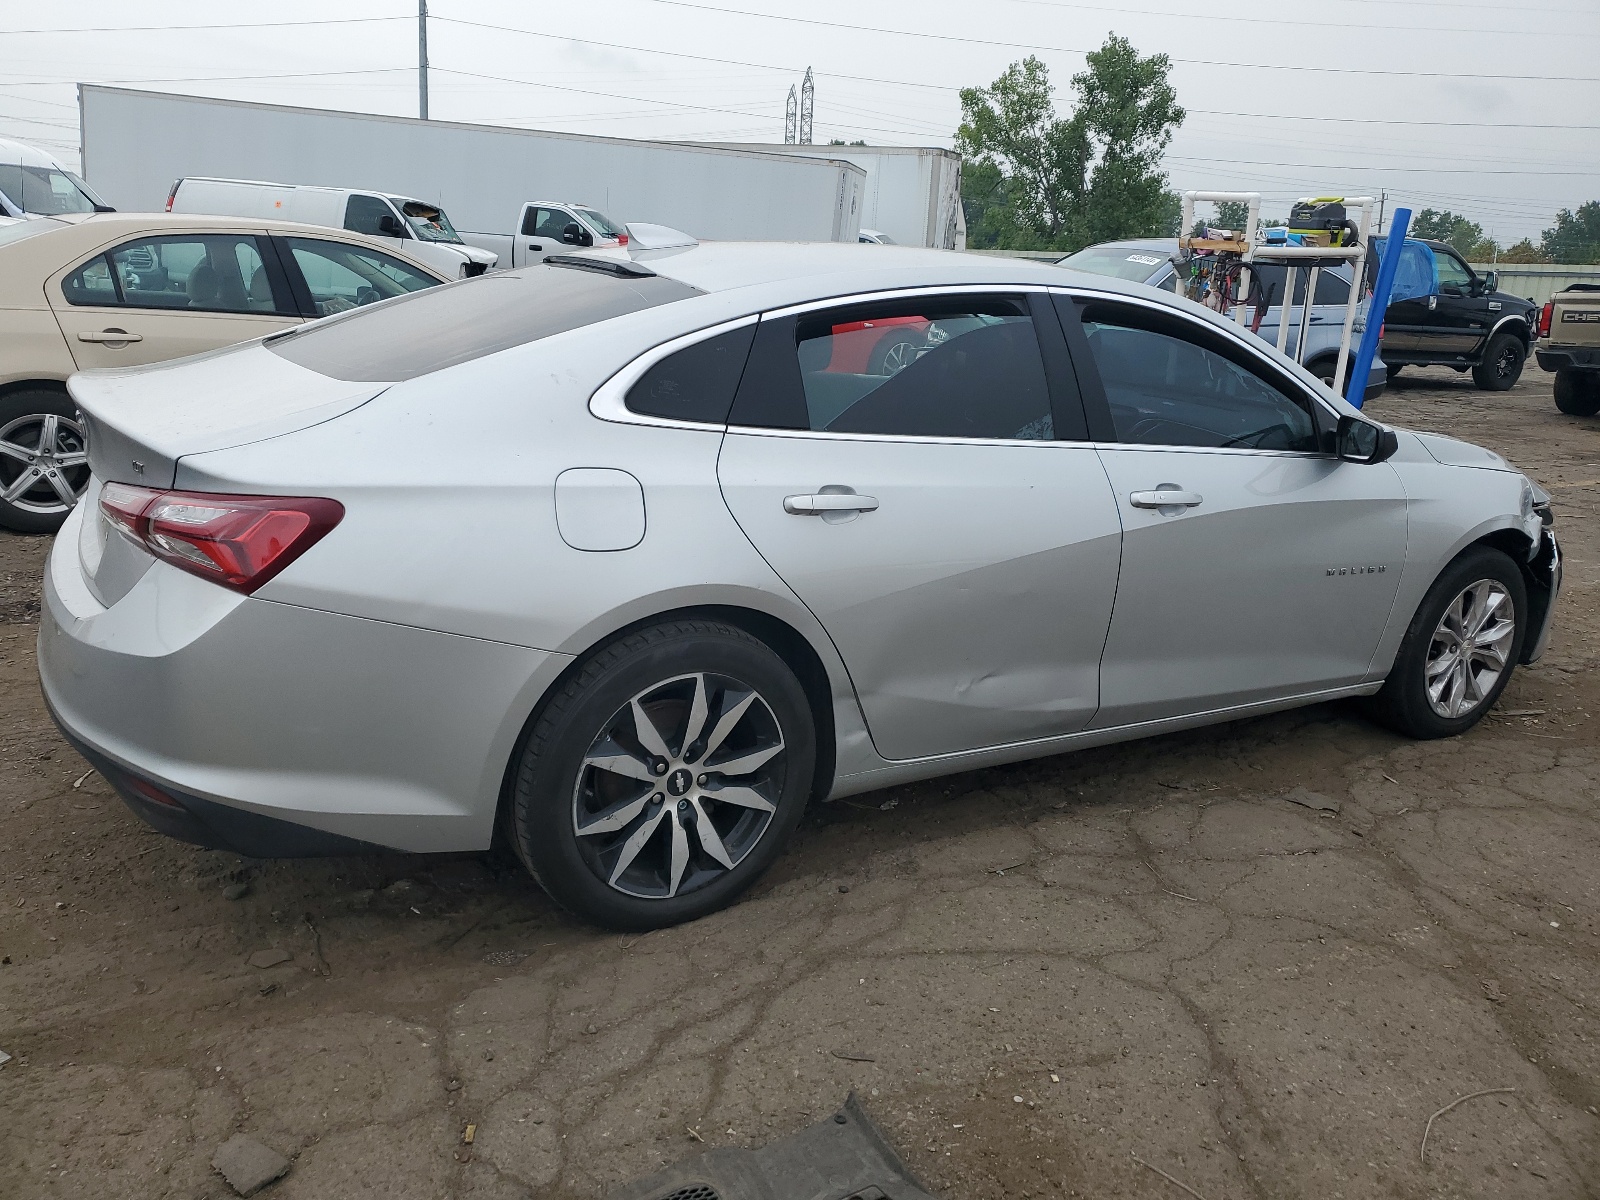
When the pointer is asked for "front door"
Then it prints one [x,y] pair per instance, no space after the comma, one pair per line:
[150,299]
[540,235]
[1460,319]
[1254,566]
[960,553]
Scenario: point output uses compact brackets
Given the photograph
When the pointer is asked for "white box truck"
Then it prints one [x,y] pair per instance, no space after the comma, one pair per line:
[137,143]
[913,193]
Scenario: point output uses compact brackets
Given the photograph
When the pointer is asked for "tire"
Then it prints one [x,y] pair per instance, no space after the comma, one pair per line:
[1394,370]
[1501,365]
[666,870]
[1405,704]
[27,420]
[895,355]
[1578,392]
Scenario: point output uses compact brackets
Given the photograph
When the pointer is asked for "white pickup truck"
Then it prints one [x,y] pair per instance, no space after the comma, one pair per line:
[547,227]
[1569,345]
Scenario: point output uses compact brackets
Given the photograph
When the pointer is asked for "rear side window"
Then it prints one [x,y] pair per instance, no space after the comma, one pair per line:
[457,322]
[92,284]
[199,272]
[696,383]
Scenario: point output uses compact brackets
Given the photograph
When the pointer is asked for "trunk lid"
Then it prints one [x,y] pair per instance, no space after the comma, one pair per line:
[141,420]
[1575,318]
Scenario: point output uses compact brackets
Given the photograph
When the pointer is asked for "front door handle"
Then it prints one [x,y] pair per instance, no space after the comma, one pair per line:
[117,336]
[1165,497]
[535,247]
[821,503]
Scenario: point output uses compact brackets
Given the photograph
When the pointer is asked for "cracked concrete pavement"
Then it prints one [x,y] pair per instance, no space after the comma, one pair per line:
[1038,977]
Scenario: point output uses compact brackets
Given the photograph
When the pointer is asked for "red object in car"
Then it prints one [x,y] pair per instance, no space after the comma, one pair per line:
[855,343]
[1545,315]
[237,541]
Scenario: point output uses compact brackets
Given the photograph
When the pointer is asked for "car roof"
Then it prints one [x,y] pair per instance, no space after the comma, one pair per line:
[26,155]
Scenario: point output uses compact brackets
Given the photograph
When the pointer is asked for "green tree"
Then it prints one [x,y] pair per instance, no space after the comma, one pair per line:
[1043,181]
[1575,237]
[1445,226]
[1523,252]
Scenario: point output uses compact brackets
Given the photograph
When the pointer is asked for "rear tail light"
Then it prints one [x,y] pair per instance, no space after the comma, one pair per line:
[622,239]
[237,541]
[172,193]
[1545,314]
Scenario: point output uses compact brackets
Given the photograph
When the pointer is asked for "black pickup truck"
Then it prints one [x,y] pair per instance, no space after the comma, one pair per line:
[1468,324]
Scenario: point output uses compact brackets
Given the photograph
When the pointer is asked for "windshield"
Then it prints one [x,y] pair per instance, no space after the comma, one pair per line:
[1119,262]
[428,221]
[47,191]
[601,223]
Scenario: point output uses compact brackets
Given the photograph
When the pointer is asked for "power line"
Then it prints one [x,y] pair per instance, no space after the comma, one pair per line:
[1199,62]
[1323,24]
[179,28]
[1251,162]
[200,78]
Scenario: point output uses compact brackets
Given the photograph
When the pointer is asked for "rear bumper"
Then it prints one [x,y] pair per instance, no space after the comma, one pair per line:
[278,730]
[1560,360]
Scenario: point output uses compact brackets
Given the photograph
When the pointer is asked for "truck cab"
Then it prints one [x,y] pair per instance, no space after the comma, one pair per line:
[548,227]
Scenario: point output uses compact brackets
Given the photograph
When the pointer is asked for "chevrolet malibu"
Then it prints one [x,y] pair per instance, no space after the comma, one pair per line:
[695,561]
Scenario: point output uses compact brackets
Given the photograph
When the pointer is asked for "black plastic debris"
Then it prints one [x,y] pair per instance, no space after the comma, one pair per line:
[841,1158]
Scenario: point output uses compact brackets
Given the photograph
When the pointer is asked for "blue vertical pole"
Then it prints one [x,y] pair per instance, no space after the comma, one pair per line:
[1357,391]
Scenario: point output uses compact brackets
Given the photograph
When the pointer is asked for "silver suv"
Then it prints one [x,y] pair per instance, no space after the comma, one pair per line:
[1150,261]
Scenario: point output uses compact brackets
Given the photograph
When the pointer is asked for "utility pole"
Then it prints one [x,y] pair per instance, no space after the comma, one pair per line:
[808,94]
[1383,198]
[791,123]
[422,58]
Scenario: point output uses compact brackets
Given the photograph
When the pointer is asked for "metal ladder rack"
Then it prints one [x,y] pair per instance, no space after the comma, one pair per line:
[1248,252]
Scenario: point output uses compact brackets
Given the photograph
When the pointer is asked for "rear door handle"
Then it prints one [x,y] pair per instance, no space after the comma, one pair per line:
[828,502]
[1166,497]
[111,335]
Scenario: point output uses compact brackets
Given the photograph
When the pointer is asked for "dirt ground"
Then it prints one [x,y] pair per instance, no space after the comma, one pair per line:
[1039,978]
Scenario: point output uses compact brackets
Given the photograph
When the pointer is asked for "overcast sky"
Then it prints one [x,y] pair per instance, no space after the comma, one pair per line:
[1490,109]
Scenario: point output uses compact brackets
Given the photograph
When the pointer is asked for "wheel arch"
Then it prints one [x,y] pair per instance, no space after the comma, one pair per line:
[777,634]
[34,385]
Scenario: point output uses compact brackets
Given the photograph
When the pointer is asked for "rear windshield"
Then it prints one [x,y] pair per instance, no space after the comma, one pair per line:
[1119,262]
[429,330]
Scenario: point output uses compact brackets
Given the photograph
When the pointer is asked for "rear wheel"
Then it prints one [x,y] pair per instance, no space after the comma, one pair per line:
[1394,370]
[664,776]
[1502,363]
[1460,649]
[44,460]
[1578,392]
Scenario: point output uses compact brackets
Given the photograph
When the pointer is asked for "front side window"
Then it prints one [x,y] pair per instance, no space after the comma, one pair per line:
[365,214]
[206,272]
[546,222]
[1454,278]
[342,277]
[958,367]
[1168,384]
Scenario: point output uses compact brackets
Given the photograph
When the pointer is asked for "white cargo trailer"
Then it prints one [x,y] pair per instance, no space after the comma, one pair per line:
[913,193]
[136,143]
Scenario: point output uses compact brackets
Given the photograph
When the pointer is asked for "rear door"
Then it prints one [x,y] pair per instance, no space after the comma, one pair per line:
[152,298]
[944,518]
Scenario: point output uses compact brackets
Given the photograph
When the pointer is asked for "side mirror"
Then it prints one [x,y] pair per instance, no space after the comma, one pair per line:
[389,225]
[576,235]
[1491,281]
[1359,441]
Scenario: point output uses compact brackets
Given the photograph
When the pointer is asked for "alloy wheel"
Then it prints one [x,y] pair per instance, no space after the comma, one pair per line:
[44,462]
[1470,649]
[1505,361]
[898,357]
[679,786]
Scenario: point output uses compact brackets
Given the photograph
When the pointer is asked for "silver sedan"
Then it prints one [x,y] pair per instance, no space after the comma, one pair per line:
[635,556]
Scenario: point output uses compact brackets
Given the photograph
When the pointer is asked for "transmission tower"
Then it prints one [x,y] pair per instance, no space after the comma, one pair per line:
[808,95]
[790,119]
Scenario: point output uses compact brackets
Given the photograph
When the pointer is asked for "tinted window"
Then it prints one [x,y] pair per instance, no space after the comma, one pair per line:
[91,283]
[457,322]
[1330,288]
[342,277]
[698,382]
[365,214]
[960,367]
[546,222]
[208,272]
[1170,385]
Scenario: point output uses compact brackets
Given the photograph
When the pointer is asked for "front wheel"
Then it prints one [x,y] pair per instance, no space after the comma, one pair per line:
[44,460]
[1460,649]
[662,779]
[1502,363]
[1578,392]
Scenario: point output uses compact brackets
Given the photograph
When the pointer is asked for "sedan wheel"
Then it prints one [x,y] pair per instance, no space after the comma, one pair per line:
[663,777]
[44,460]
[1470,648]
[1460,650]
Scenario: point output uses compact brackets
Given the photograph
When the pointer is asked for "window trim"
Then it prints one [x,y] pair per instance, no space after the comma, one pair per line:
[610,399]
[1098,410]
